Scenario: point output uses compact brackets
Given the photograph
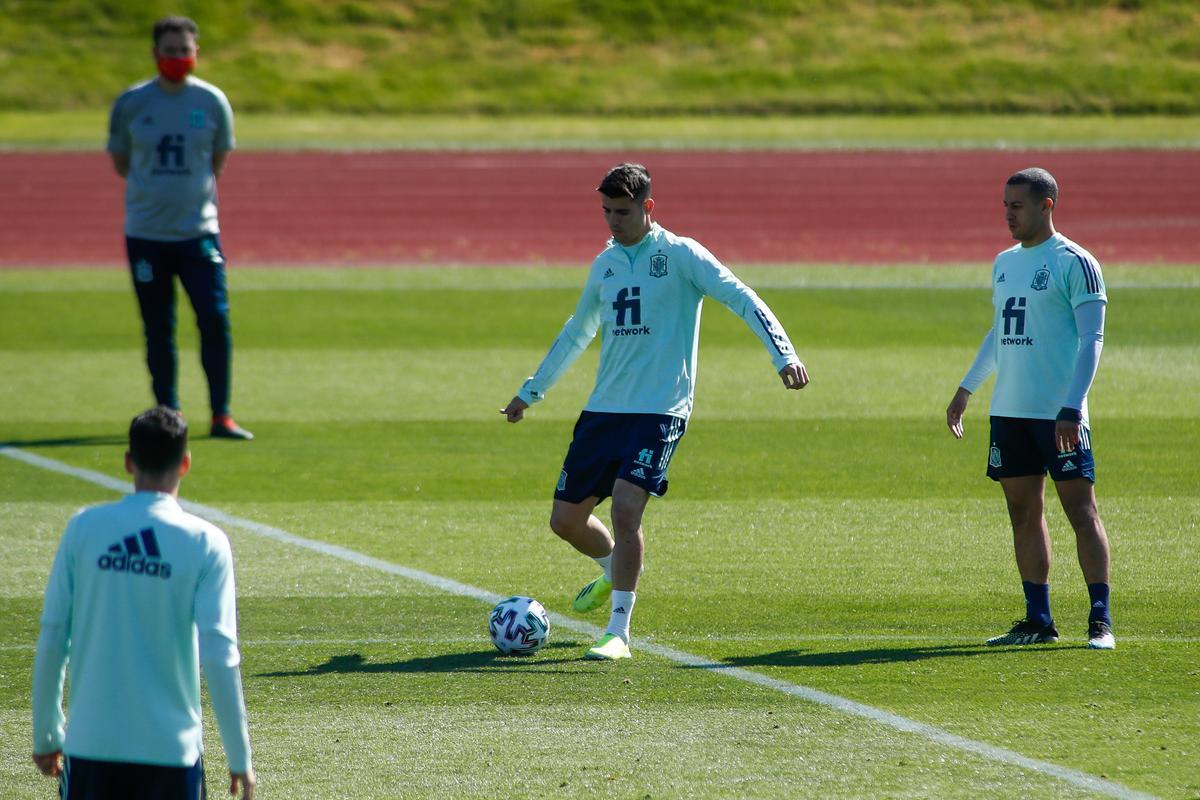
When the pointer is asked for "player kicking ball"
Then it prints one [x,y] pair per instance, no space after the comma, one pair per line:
[1044,347]
[644,291]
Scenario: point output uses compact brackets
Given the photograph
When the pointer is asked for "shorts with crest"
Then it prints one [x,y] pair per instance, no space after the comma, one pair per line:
[634,447]
[1021,447]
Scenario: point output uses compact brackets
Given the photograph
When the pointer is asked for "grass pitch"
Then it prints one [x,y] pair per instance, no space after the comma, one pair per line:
[837,538]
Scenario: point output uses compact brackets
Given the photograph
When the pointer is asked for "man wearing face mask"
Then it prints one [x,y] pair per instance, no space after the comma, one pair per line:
[169,137]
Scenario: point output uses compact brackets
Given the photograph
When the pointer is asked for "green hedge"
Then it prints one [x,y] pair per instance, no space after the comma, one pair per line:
[624,56]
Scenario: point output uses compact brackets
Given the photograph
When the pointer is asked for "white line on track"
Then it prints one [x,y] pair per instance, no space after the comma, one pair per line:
[943,737]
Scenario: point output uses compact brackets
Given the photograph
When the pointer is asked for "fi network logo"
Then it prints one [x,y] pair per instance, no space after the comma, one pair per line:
[1014,322]
[1014,316]
[170,148]
[137,555]
[628,306]
[629,300]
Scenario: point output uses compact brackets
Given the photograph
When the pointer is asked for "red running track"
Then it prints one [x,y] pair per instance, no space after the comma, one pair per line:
[540,207]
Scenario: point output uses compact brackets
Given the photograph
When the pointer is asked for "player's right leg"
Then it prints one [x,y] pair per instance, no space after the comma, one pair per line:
[153,276]
[578,526]
[1016,463]
[587,475]
[1031,543]
[1031,538]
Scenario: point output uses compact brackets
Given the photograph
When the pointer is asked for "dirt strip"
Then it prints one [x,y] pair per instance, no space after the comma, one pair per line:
[541,207]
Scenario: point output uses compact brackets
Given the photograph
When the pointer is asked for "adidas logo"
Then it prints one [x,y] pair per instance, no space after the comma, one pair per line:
[138,555]
[1098,604]
[1068,465]
[608,273]
[1001,278]
[620,610]
[638,473]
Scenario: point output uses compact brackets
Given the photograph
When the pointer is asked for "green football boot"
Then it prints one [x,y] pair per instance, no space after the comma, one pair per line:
[594,595]
[610,648]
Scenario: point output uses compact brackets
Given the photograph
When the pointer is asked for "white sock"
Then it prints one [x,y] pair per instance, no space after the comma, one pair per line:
[605,563]
[622,610]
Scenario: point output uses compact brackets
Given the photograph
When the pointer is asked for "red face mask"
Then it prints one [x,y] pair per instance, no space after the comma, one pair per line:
[175,69]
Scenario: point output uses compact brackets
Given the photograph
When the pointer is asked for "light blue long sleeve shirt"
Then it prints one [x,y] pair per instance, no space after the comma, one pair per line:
[1047,332]
[645,301]
[141,593]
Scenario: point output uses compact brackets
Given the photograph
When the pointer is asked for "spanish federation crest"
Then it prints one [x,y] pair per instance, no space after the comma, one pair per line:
[658,266]
[1041,279]
[994,457]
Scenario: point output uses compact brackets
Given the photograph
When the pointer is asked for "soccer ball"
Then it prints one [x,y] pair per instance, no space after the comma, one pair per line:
[519,626]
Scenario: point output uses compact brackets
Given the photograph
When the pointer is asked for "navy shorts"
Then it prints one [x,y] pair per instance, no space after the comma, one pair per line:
[1023,447]
[87,779]
[634,447]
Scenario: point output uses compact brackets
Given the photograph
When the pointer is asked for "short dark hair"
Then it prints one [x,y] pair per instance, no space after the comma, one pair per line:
[626,180]
[175,25]
[158,440]
[1040,182]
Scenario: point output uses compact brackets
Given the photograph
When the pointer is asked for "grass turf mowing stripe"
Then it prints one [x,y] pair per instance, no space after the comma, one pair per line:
[932,733]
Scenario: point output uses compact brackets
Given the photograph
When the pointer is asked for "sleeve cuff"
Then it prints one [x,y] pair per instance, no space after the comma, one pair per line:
[530,396]
[1066,414]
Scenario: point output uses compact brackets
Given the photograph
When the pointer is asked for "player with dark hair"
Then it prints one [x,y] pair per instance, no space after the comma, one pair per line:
[1040,182]
[140,595]
[170,138]
[1044,347]
[644,291]
[631,181]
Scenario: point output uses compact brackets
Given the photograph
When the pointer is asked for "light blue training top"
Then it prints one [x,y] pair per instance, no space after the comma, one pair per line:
[171,192]
[140,594]
[645,300]
[1035,341]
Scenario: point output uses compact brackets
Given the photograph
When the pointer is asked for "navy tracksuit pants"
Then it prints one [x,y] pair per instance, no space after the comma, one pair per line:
[200,267]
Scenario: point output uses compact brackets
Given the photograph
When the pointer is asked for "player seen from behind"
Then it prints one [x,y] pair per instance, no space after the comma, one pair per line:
[141,594]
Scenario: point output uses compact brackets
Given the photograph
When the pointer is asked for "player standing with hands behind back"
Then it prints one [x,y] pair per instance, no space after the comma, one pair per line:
[169,138]
[645,290]
[1044,346]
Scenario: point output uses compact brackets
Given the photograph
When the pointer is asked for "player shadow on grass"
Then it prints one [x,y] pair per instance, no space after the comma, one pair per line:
[68,441]
[477,661]
[873,655]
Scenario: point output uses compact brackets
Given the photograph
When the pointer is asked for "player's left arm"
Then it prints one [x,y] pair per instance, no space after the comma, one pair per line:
[223,139]
[718,282]
[1084,287]
[1089,321]
[216,624]
[220,157]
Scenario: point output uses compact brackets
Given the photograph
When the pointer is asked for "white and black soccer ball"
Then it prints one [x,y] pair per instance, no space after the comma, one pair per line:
[519,626]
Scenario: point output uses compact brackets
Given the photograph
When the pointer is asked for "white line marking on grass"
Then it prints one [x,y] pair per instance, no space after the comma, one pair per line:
[999,754]
[455,640]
